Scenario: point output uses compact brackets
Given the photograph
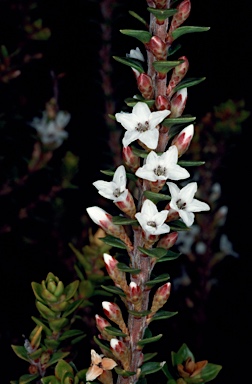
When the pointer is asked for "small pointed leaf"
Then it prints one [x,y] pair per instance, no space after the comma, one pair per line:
[153,252]
[71,289]
[156,197]
[56,357]
[140,35]
[46,312]
[167,373]
[139,314]
[149,356]
[124,268]
[162,14]
[62,368]
[170,255]
[21,352]
[115,331]
[124,373]
[72,307]
[131,102]
[70,333]
[113,241]
[102,344]
[158,279]
[119,220]
[132,63]
[210,371]
[178,120]
[49,380]
[114,290]
[178,225]
[132,13]
[162,315]
[149,340]
[173,49]
[166,66]
[190,163]
[27,378]
[151,367]
[77,339]
[181,356]
[188,83]
[187,29]
[47,331]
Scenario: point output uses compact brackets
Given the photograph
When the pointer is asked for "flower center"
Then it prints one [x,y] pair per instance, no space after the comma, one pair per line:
[152,224]
[142,127]
[180,204]
[160,171]
[117,192]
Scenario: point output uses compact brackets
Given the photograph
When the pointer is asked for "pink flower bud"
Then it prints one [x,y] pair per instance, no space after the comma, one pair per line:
[178,74]
[127,206]
[178,103]
[162,102]
[183,139]
[145,86]
[132,161]
[168,240]
[111,310]
[160,4]
[116,275]
[117,346]
[158,47]
[160,298]
[183,11]
[101,323]
[134,291]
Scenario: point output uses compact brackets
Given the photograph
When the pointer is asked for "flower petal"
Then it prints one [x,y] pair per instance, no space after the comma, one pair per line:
[150,138]
[108,364]
[93,372]
[157,117]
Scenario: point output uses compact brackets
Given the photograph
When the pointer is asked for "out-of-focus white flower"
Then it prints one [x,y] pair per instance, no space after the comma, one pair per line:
[184,203]
[141,124]
[152,221]
[51,131]
[162,167]
[227,247]
[135,54]
[116,189]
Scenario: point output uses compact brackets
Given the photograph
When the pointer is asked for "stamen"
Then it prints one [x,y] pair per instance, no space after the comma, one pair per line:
[181,204]
[160,171]
[152,224]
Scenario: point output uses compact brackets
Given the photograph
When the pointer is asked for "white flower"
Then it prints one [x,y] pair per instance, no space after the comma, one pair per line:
[151,220]
[184,203]
[141,124]
[99,364]
[51,131]
[135,54]
[162,167]
[116,189]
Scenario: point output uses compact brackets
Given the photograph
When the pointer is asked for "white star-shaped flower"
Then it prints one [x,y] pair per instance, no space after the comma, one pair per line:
[141,124]
[182,201]
[162,167]
[116,189]
[99,364]
[152,221]
[135,54]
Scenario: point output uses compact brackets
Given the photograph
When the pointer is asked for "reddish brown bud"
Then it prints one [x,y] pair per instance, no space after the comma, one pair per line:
[132,161]
[178,74]
[145,86]
[158,47]
[183,139]
[178,103]
[162,102]
[168,240]
[183,11]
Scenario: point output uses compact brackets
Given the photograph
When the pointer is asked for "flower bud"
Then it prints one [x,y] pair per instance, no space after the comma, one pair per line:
[135,296]
[168,240]
[101,325]
[131,161]
[160,298]
[121,352]
[183,139]
[178,103]
[158,47]
[127,205]
[145,86]
[183,11]
[178,74]
[113,312]
[116,275]
[162,102]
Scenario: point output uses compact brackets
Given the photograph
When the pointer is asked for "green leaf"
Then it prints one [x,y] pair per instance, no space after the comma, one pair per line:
[114,290]
[37,290]
[119,220]
[62,368]
[71,289]
[166,66]
[70,333]
[149,340]
[132,63]
[72,307]
[113,241]
[173,49]
[156,197]
[28,378]
[142,36]
[56,357]
[162,14]
[21,352]
[181,356]
[151,367]
[149,356]
[50,380]
[139,314]
[36,354]
[191,163]
[58,324]
[153,252]
[132,13]
[178,120]
[187,29]
[77,339]
[178,225]
[188,83]
[210,371]
[52,344]
[162,315]
[131,102]
[167,373]
[170,255]
[103,344]
[124,268]
[47,331]
[124,373]
[158,279]
[115,331]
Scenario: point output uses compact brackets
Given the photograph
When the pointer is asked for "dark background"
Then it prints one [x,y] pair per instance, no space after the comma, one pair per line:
[222,55]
